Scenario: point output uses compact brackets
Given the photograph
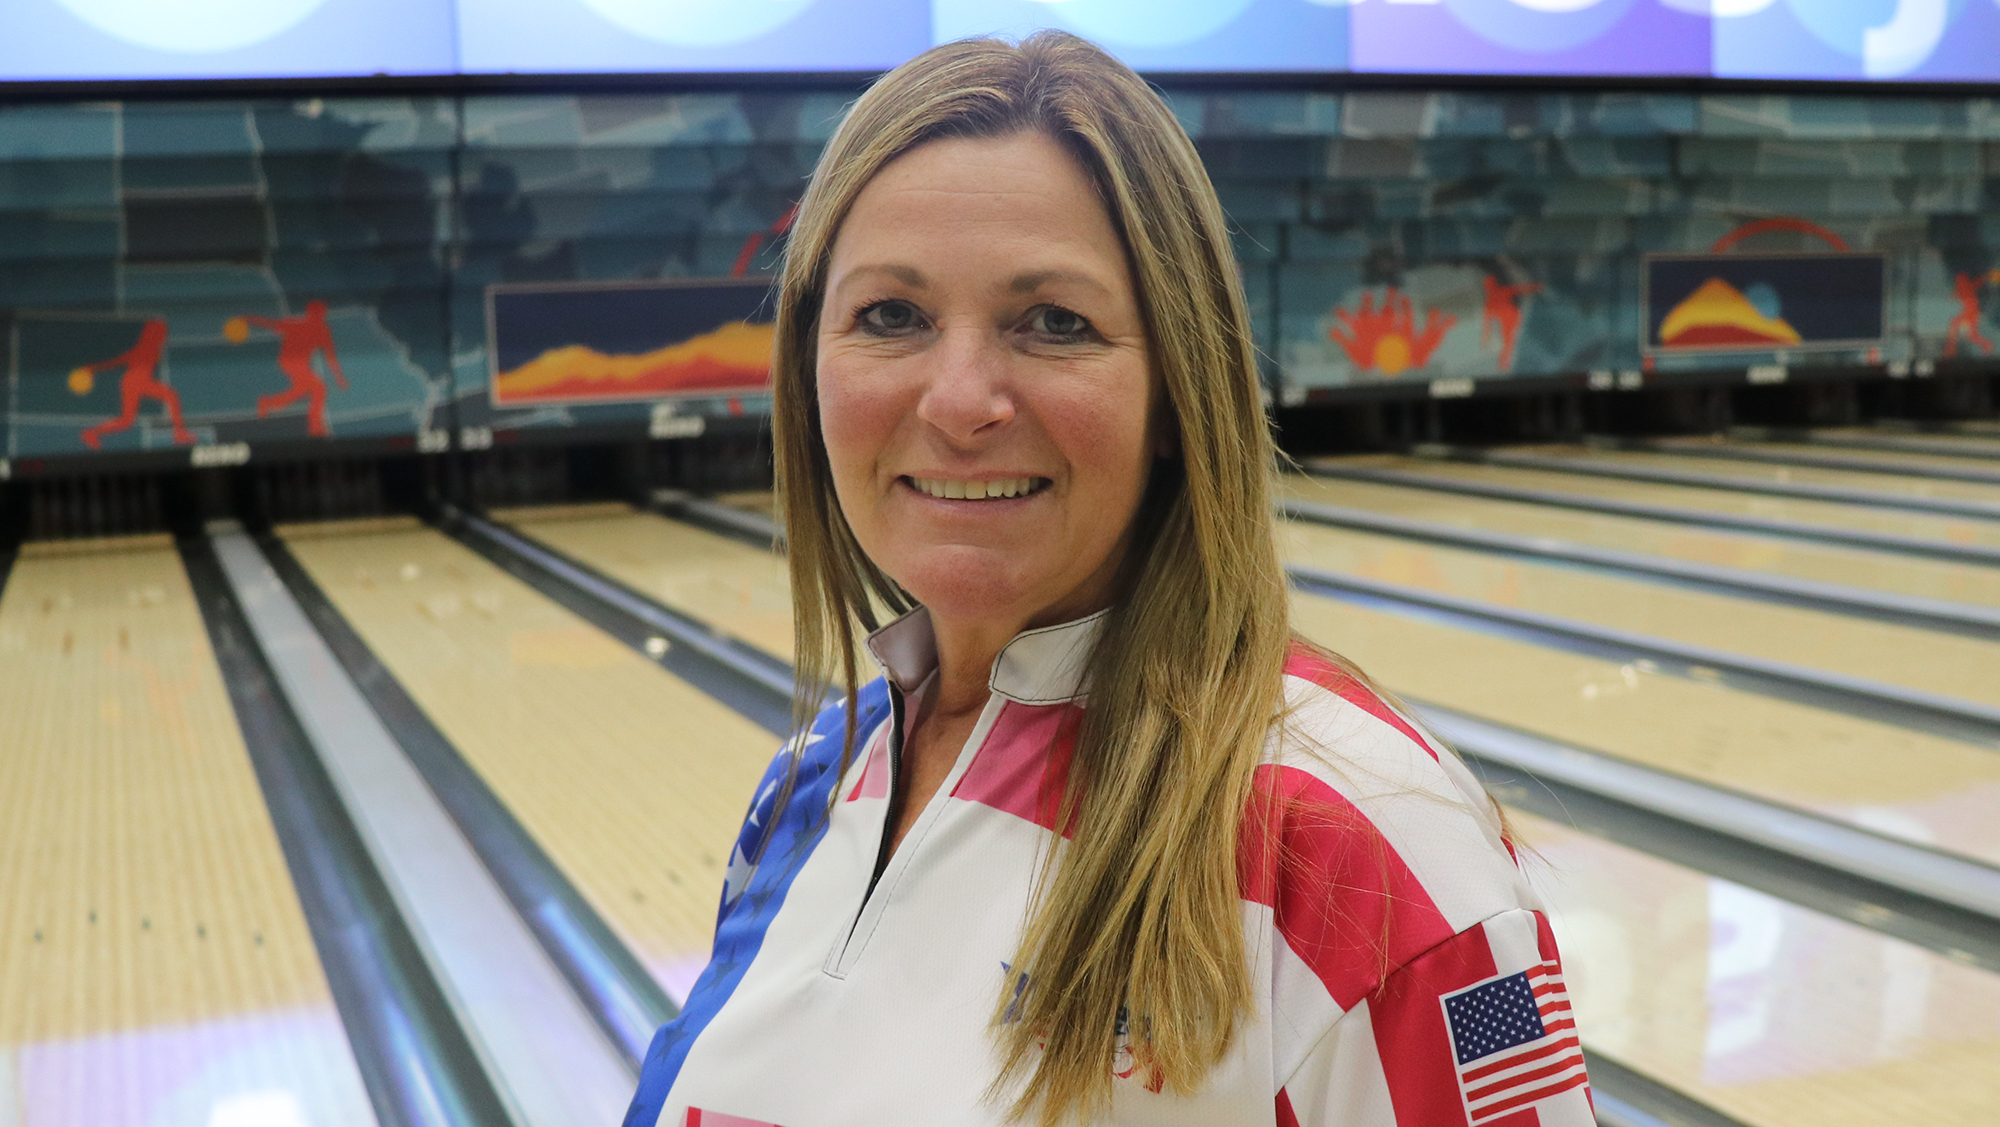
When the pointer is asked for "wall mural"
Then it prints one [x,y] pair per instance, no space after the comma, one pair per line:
[223,279]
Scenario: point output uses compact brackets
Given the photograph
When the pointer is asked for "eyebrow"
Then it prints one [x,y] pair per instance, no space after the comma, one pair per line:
[1028,283]
[908,275]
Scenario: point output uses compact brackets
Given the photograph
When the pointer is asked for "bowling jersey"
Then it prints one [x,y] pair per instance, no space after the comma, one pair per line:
[1404,975]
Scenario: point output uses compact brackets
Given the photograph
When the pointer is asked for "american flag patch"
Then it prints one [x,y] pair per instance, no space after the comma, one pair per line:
[1515,1040]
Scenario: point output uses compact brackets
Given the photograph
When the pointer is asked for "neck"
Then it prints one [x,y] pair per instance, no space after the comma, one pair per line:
[966,652]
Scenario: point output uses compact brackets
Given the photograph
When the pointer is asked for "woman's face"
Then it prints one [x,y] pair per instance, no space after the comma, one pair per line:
[984,384]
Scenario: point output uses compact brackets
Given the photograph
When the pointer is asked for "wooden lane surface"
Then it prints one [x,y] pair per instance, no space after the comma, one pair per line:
[1774,1014]
[633,781]
[1825,563]
[760,501]
[1938,791]
[1865,518]
[687,568]
[1894,484]
[144,898]
[1652,952]
[1949,664]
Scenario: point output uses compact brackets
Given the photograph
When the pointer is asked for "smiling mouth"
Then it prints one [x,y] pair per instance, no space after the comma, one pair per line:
[952,489]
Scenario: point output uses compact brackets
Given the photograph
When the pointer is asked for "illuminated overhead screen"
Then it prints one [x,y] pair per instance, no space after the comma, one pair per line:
[623,36]
[141,39]
[1922,40]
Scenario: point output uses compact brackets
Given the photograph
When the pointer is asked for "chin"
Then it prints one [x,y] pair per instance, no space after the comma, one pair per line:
[965,585]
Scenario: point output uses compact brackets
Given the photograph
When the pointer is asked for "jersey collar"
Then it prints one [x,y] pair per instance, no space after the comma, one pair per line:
[1047,665]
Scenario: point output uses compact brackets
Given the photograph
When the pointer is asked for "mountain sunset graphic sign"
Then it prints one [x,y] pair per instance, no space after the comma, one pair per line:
[1763,303]
[558,344]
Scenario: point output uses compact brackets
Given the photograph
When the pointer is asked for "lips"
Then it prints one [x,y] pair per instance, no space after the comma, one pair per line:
[993,489]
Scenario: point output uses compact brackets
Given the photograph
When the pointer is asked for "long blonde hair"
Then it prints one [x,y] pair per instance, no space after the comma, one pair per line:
[1142,911]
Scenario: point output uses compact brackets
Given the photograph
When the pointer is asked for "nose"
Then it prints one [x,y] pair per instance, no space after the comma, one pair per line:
[967,392]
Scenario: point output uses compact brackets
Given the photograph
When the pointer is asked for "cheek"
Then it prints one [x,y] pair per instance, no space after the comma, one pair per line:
[1104,433]
[856,415]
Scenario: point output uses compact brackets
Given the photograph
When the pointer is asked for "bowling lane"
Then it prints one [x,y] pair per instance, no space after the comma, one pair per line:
[632,780]
[1776,1015]
[155,963]
[1727,471]
[1824,563]
[1942,792]
[723,582]
[760,501]
[1865,518]
[1949,664]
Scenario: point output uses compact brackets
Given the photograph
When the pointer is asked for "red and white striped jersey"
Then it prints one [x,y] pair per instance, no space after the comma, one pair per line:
[1404,972]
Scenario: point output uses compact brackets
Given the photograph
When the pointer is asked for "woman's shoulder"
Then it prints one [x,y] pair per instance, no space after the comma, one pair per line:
[1357,805]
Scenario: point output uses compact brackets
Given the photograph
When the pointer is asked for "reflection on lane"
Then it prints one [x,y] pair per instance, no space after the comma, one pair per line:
[1772,1013]
[155,965]
[1823,563]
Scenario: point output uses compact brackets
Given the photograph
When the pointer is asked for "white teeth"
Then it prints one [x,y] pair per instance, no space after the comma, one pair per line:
[957,490]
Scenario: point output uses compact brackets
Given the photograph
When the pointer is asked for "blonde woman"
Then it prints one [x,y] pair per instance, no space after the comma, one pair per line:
[1104,842]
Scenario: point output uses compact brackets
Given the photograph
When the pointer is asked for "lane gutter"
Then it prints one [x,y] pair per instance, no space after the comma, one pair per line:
[419,1067]
[1790,530]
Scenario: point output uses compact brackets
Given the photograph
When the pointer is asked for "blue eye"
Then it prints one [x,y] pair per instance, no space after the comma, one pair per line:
[888,317]
[1059,322]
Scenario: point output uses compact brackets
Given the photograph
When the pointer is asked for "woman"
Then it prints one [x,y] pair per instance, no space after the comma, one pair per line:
[1104,842]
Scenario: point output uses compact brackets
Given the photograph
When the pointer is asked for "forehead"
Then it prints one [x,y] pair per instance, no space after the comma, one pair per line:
[960,194]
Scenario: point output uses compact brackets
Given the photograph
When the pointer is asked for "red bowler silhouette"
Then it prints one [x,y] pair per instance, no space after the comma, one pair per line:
[298,339]
[1502,312]
[138,383]
[1967,319]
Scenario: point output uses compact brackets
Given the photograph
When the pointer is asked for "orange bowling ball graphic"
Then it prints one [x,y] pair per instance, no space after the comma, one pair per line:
[236,330]
[81,380]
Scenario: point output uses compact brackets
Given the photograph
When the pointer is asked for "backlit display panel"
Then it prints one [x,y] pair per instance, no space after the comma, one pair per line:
[1612,37]
[1845,40]
[1172,35]
[606,36]
[142,39]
